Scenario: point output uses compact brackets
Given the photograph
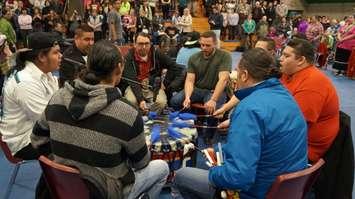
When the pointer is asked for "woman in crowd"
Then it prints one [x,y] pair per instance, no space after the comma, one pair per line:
[314,31]
[25,23]
[95,22]
[346,41]
[249,30]
[186,22]
[37,21]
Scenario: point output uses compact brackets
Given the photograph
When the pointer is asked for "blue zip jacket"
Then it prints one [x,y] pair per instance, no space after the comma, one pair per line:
[267,137]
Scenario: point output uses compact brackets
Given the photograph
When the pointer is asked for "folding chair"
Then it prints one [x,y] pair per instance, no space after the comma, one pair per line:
[17,163]
[295,185]
[64,182]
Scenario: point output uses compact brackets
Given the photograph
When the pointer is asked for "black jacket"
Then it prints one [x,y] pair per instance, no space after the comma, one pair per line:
[218,21]
[336,178]
[68,70]
[174,79]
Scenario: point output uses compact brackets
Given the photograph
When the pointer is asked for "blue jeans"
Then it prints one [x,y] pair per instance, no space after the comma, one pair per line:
[198,95]
[150,179]
[193,183]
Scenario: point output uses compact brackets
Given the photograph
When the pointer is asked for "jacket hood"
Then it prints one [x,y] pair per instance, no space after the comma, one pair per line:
[83,100]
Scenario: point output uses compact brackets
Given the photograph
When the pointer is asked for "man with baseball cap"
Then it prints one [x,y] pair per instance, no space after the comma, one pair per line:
[27,92]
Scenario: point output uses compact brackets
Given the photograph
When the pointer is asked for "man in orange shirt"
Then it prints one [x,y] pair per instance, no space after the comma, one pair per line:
[314,93]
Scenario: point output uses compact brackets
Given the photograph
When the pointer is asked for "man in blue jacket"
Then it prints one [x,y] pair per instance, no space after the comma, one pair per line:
[267,136]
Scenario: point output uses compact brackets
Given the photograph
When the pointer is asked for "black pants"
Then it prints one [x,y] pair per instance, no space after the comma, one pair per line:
[27,153]
[166,9]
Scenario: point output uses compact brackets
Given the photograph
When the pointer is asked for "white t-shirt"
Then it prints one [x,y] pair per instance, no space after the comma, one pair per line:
[26,95]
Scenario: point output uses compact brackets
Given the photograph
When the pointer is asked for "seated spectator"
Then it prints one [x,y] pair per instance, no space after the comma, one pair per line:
[27,92]
[144,64]
[113,156]
[314,93]
[268,130]
[83,41]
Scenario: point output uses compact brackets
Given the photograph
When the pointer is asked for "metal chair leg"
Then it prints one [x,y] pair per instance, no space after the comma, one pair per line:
[12,180]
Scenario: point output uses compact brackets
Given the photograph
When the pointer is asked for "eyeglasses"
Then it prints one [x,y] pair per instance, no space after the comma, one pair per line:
[143,44]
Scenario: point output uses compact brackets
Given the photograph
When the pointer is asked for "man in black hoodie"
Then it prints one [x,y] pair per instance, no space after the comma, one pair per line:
[145,65]
[83,40]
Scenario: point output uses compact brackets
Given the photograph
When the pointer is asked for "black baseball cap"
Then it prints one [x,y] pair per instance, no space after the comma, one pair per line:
[40,40]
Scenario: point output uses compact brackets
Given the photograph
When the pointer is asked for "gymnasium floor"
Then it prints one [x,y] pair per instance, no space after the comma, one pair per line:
[29,173]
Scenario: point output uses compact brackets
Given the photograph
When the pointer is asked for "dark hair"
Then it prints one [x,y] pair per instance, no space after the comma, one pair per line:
[143,34]
[260,64]
[271,45]
[302,47]
[83,28]
[30,55]
[209,34]
[103,58]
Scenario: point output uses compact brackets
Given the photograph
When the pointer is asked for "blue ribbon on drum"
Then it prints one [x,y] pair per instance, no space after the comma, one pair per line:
[177,119]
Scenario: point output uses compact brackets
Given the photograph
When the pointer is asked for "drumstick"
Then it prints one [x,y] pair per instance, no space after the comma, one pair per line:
[124,78]
[205,127]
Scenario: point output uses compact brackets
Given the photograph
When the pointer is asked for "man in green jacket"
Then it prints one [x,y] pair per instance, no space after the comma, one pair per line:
[6,27]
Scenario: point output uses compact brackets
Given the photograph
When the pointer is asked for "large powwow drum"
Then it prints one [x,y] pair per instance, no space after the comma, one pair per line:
[171,139]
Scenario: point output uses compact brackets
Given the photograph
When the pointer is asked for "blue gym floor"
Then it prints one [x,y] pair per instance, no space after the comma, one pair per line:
[29,173]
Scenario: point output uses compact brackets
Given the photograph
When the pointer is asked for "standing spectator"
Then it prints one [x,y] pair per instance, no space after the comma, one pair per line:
[249,30]
[263,7]
[152,4]
[147,10]
[6,28]
[231,6]
[131,26]
[244,9]
[175,19]
[38,3]
[115,24]
[74,23]
[47,8]
[346,42]
[302,26]
[233,20]
[59,32]
[57,6]
[165,7]
[314,31]
[284,27]
[257,12]
[270,13]
[281,10]
[262,27]
[186,22]
[37,20]
[25,22]
[124,8]
[216,23]
[182,6]
[224,31]
[95,22]
[143,23]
